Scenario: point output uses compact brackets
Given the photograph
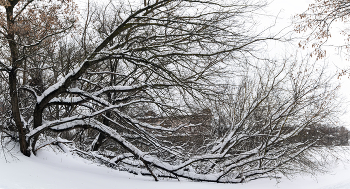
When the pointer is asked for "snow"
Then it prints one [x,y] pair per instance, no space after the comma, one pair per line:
[52,169]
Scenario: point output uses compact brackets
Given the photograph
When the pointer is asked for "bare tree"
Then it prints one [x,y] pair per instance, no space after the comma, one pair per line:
[265,116]
[165,57]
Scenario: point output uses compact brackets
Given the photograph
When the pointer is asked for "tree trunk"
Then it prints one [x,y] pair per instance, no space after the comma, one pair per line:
[24,146]
[101,136]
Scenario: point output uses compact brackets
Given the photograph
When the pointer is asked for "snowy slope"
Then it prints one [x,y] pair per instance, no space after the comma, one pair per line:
[54,170]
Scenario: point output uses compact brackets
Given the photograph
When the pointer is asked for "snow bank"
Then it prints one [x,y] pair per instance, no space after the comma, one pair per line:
[51,169]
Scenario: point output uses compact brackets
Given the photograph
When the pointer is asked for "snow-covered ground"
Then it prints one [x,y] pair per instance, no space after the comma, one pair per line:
[56,170]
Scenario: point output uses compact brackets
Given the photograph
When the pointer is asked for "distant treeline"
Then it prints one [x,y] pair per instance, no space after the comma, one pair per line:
[325,135]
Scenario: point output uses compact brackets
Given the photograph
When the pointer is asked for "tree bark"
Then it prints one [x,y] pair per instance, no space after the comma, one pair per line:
[24,146]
